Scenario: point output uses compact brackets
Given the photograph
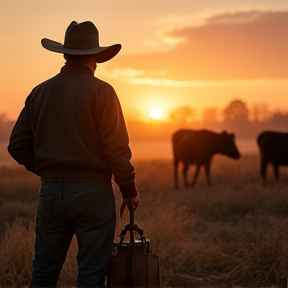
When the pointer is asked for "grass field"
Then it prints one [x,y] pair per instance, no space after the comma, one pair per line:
[233,233]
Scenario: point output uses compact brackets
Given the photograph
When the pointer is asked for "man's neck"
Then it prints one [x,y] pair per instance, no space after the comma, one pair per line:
[89,64]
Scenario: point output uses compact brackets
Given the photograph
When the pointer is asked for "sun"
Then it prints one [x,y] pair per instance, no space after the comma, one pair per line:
[156,112]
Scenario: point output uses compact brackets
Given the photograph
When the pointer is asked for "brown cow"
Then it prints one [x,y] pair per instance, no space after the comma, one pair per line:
[273,148]
[198,147]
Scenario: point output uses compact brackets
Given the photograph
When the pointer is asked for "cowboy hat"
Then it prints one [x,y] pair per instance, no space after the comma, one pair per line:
[82,39]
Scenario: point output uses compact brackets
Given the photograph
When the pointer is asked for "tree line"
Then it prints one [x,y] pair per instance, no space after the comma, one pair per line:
[235,117]
[235,111]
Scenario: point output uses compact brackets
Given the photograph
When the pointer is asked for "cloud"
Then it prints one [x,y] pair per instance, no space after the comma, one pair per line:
[186,84]
[233,17]
[240,45]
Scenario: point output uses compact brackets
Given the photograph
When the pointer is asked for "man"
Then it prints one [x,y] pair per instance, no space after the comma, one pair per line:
[72,134]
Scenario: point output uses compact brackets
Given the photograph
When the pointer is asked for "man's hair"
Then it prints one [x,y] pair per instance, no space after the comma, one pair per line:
[79,58]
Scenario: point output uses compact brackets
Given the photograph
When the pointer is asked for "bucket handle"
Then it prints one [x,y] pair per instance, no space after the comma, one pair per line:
[130,227]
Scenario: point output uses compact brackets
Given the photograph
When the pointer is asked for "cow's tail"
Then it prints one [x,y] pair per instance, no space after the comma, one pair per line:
[175,161]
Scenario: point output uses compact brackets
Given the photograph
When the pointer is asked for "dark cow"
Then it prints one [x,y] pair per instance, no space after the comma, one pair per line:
[198,147]
[273,148]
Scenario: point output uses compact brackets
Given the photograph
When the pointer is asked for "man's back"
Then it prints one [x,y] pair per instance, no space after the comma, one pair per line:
[65,113]
[71,132]
[78,126]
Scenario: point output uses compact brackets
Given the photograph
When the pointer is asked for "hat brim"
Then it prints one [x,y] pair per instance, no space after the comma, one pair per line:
[103,53]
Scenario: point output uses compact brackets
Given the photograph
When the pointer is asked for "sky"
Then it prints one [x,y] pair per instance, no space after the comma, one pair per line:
[198,53]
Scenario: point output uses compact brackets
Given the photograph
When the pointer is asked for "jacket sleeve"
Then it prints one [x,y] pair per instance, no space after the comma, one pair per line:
[21,143]
[114,136]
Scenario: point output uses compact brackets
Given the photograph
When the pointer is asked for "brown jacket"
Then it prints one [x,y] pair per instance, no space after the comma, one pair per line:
[72,127]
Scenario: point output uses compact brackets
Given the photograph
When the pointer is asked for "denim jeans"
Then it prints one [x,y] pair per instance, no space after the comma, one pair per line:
[65,208]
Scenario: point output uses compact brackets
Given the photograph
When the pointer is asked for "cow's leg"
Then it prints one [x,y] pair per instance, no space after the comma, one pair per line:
[276,171]
[184,172]
[263,168]
[207,172]
[175,164]
[196,174]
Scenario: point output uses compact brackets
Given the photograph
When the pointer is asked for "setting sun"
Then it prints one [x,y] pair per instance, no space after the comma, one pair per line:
[156,112]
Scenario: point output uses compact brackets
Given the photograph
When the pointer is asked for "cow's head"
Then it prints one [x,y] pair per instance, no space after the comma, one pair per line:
[228,146]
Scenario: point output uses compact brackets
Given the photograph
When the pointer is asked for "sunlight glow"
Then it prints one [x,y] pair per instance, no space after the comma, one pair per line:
[191,84]
[156,112]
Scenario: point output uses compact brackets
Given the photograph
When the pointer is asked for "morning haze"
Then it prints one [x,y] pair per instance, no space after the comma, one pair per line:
[201,55]
[185,64]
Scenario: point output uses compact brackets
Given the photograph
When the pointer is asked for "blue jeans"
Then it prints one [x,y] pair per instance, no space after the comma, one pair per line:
[65,208]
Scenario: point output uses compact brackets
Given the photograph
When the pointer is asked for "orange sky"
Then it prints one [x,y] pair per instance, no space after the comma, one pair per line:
[186,53]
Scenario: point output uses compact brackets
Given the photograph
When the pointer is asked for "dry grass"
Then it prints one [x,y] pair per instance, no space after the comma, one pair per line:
[233,233]
[18,195]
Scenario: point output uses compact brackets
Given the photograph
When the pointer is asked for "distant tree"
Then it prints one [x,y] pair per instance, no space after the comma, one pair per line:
[182,115]
[235,111]
[5,127]
[279,120]
[3,117]
[210,115]
[261,112]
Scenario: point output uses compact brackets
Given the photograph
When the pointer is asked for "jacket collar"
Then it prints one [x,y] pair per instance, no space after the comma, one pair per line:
[76,68]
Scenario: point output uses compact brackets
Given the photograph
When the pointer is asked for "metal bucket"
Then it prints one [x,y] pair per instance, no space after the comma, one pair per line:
[132,264]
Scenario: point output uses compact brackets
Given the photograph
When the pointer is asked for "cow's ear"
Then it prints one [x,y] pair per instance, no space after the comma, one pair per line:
[224,133]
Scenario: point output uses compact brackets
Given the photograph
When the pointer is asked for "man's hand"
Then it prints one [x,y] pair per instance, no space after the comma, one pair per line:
[130,203]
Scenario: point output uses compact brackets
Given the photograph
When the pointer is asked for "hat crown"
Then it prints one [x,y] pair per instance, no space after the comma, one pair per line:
[81,36]
[82,39]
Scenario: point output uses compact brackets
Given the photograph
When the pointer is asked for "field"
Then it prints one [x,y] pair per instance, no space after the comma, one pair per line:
[233,233]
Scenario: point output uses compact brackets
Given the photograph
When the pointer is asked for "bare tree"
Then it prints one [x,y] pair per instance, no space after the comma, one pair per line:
[210,115]
[261,112]
[182,115]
